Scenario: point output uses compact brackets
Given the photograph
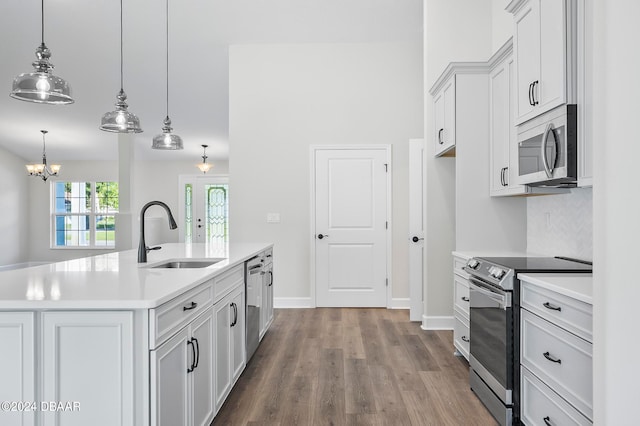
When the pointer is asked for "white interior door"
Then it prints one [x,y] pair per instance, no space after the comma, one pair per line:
[416,228]
[351,225]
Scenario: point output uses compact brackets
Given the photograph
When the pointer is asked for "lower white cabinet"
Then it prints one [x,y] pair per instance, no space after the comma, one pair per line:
[229,342]
[556,374]
[461,335]
[182,376]
[17,369]
[87,359]
[266,311]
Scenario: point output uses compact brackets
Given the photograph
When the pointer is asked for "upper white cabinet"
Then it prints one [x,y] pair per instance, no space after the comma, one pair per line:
[543,38]
[444,103]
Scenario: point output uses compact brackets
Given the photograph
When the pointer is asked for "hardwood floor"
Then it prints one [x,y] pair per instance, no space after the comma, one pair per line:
[331,366]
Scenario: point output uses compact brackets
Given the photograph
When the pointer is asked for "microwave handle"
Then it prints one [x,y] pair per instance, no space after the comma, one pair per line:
[545,138]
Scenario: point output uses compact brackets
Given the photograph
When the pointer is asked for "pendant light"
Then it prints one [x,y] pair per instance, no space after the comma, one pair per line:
[204,166]
[43,170]
[41,85]
[167,140]
[121,120]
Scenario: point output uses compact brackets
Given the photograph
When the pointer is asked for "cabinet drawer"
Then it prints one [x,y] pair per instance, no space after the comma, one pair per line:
[225,282]
[461,335]
[560,359]
[461,294]
[458,266]
[566,312]
[170,317]
[539,402]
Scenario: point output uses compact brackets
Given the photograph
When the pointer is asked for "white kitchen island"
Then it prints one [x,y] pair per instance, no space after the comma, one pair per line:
[104,340]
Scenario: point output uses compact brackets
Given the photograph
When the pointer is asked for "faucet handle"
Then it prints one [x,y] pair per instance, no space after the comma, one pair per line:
[153,248]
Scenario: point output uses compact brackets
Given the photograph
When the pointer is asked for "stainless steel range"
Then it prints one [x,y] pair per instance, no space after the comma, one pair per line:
[494,323]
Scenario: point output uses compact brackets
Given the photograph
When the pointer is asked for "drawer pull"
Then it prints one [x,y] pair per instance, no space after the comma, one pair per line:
[550,358]
[552,307]
[547,421]
[465,339]
[193,305]
[464,299]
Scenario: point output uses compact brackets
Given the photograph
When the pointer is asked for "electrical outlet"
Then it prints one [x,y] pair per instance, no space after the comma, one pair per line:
[273,217]
[547,220]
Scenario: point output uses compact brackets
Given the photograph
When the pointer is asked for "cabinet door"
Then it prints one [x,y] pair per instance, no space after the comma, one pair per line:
[17,365]
[499,129]
[222,319]
[169,387]
[80,349]
[202,378]
[445,117]
[526,41]
[551,92]
[238,353]
[269,305]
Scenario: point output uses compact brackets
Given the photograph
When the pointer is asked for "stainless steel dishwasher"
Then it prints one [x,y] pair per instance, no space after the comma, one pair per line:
[253,292]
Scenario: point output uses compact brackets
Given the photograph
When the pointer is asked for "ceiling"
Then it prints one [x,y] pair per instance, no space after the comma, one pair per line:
[83,37]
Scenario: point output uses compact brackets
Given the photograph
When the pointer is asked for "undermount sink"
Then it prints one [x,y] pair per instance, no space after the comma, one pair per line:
[181,264]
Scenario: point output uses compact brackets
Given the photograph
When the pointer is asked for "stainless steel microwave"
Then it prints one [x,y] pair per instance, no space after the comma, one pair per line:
[547,149]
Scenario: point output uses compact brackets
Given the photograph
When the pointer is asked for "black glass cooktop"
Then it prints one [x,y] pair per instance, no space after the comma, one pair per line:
[540,264]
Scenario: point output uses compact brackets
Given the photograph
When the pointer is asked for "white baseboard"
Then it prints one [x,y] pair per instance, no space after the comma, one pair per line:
[292,302]
[437,323]
[400,303]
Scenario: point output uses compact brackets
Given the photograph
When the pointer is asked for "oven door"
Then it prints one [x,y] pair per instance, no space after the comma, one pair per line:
[491,330]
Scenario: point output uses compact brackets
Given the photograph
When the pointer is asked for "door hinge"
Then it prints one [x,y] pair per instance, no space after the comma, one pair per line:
[386,225]
[386,282]
[386,168]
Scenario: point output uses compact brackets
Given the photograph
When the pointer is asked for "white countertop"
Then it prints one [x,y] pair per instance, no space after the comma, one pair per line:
[116,280]
[577,286]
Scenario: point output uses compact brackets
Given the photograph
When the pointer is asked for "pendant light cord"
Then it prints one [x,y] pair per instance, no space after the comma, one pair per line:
[167,13]
[121,49]
[42,21]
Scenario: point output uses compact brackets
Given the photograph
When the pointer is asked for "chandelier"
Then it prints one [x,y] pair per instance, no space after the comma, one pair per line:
[43,170]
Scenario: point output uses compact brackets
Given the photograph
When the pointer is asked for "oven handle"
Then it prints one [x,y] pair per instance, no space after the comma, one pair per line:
[502,297]
[548,169]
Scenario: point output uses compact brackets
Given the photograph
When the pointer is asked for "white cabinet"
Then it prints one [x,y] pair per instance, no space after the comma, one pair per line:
[229,341]
[79,350]
[266,310]
[17,366]
[556,357]
[444,102]
[182,376]
[461,336]
[545,70]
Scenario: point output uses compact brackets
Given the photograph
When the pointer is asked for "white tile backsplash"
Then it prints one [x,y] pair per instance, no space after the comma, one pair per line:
[561,225]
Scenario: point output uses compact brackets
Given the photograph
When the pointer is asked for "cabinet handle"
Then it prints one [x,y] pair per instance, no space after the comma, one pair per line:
[464,299]
[552,307]
[440,141]
[190,307]
[533,93]
[270,278]
[235,314]
[197,356]
[193,351]
[547,421]
[552,359]
[505,176]
[465,339]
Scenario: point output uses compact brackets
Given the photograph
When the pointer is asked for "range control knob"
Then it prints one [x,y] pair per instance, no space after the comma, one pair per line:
[473,264]
[496,273]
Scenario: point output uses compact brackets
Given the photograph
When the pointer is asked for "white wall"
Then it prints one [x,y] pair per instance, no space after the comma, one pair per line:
[454,30]
[284,98]
[616,214]
[561,224]
[501,24]
[14,203]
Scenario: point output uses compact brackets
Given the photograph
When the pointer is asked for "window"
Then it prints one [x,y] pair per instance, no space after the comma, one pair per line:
[83,214]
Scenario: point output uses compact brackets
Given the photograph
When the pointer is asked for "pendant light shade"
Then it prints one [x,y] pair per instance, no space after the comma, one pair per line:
[121,120]
[40,85]
[167,140]
[204,166]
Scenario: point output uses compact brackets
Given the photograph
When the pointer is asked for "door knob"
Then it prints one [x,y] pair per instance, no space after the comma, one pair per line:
[416,239]
[320,236]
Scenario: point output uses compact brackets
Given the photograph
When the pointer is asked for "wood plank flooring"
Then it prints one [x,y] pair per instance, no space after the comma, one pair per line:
[332,366]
